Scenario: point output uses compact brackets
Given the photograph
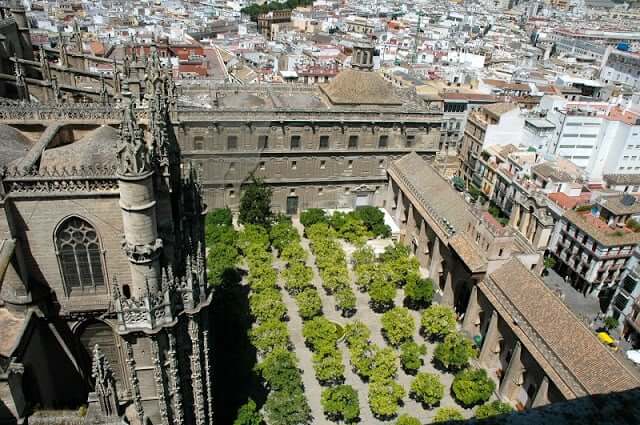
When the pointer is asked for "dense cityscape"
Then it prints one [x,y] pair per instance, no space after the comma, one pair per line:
[319,212]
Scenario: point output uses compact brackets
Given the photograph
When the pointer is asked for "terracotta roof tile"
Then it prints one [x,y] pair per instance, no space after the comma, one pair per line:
[573,347]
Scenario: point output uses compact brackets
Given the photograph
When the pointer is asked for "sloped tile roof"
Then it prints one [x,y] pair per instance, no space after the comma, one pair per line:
[570,347]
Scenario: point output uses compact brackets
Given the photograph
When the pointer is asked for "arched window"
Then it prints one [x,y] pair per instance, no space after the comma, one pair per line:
[78,248]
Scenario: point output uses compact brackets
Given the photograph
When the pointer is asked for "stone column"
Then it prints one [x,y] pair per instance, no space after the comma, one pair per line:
[471,315]
[447,296]
[490,340]
[542,395]
[512,374]
[138,204]
[515,215]
[524,223]
[436,259]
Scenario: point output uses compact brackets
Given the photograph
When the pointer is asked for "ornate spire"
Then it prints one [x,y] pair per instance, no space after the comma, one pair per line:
[21,83]
[62,51]
[45,70]
[104,94]
[134,158]
[77,36]
[105,383]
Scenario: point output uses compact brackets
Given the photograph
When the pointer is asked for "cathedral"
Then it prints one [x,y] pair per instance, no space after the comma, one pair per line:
[102,264]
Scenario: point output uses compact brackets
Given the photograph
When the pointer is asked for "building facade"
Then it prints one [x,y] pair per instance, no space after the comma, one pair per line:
[103,266]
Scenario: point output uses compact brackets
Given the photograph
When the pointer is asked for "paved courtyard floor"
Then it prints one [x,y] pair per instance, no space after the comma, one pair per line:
[365,314]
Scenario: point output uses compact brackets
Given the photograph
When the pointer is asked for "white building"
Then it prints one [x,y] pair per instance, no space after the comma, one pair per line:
[598,137]
[621,68]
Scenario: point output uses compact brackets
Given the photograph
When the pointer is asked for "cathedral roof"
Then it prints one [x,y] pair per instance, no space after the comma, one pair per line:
[97,148]
[13,144]
[353,87]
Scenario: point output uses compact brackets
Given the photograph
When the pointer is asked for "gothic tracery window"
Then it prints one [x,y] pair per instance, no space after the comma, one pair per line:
[80,257]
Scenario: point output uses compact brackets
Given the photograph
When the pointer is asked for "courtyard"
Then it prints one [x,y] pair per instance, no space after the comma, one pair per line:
[317,304]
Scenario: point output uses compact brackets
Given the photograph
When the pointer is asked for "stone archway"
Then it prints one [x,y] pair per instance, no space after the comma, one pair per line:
[92,332]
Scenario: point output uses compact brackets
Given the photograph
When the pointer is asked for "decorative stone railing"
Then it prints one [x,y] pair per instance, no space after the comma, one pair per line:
[65,180]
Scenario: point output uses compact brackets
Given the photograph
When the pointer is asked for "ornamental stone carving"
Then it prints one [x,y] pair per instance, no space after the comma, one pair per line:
[134,157]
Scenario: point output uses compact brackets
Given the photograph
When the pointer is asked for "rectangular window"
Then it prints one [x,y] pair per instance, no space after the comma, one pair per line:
[353,142]
[411,139]
[323,164]
[262,165]
[294,165]
[198,143]
[381,163]
[350,164]
[232,166]
[263,142]
[383,141]
[232,143]
[295,142]
[324,142]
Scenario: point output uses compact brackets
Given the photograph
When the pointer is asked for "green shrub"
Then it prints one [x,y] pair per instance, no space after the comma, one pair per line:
[373,219]
[312,216]
[407,420]
[219,217]
[269,335]
[253,236]
[297,277]
[418,292]
[398,325]
[411,356]
[356,332]
[382,294]
[320,334]
[293,253]
[340,403]
[346,301]
[447,414]
[309,304]
[255,203]
[328,366]
[472,386]
[221,264]
[493,408]
[279,369]
[454,352]
[385,364]
[438,321]
[427,389]
[283,234]
[267,305]
[248,414]
[385,397]
[287,408]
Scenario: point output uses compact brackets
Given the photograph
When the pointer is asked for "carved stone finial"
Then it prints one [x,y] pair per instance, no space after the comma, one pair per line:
[134,158]
[45,70]
[105,383]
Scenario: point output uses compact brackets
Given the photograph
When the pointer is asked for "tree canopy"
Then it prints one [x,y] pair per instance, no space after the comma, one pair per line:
[341,403]
[398,325]
[427,389]
[454,352]
[472,386]
[438,321]
[493,408]
[255,203]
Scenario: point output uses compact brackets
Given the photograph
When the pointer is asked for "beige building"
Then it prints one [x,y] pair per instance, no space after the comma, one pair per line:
[530,342]
[325,146]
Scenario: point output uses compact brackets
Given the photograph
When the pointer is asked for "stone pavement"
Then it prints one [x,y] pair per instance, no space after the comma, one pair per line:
[586,307]
[365,314]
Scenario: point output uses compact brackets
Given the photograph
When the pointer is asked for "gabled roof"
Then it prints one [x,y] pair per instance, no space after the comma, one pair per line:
[548,327]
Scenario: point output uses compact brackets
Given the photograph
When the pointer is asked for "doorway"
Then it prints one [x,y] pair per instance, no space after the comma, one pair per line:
[292,205]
